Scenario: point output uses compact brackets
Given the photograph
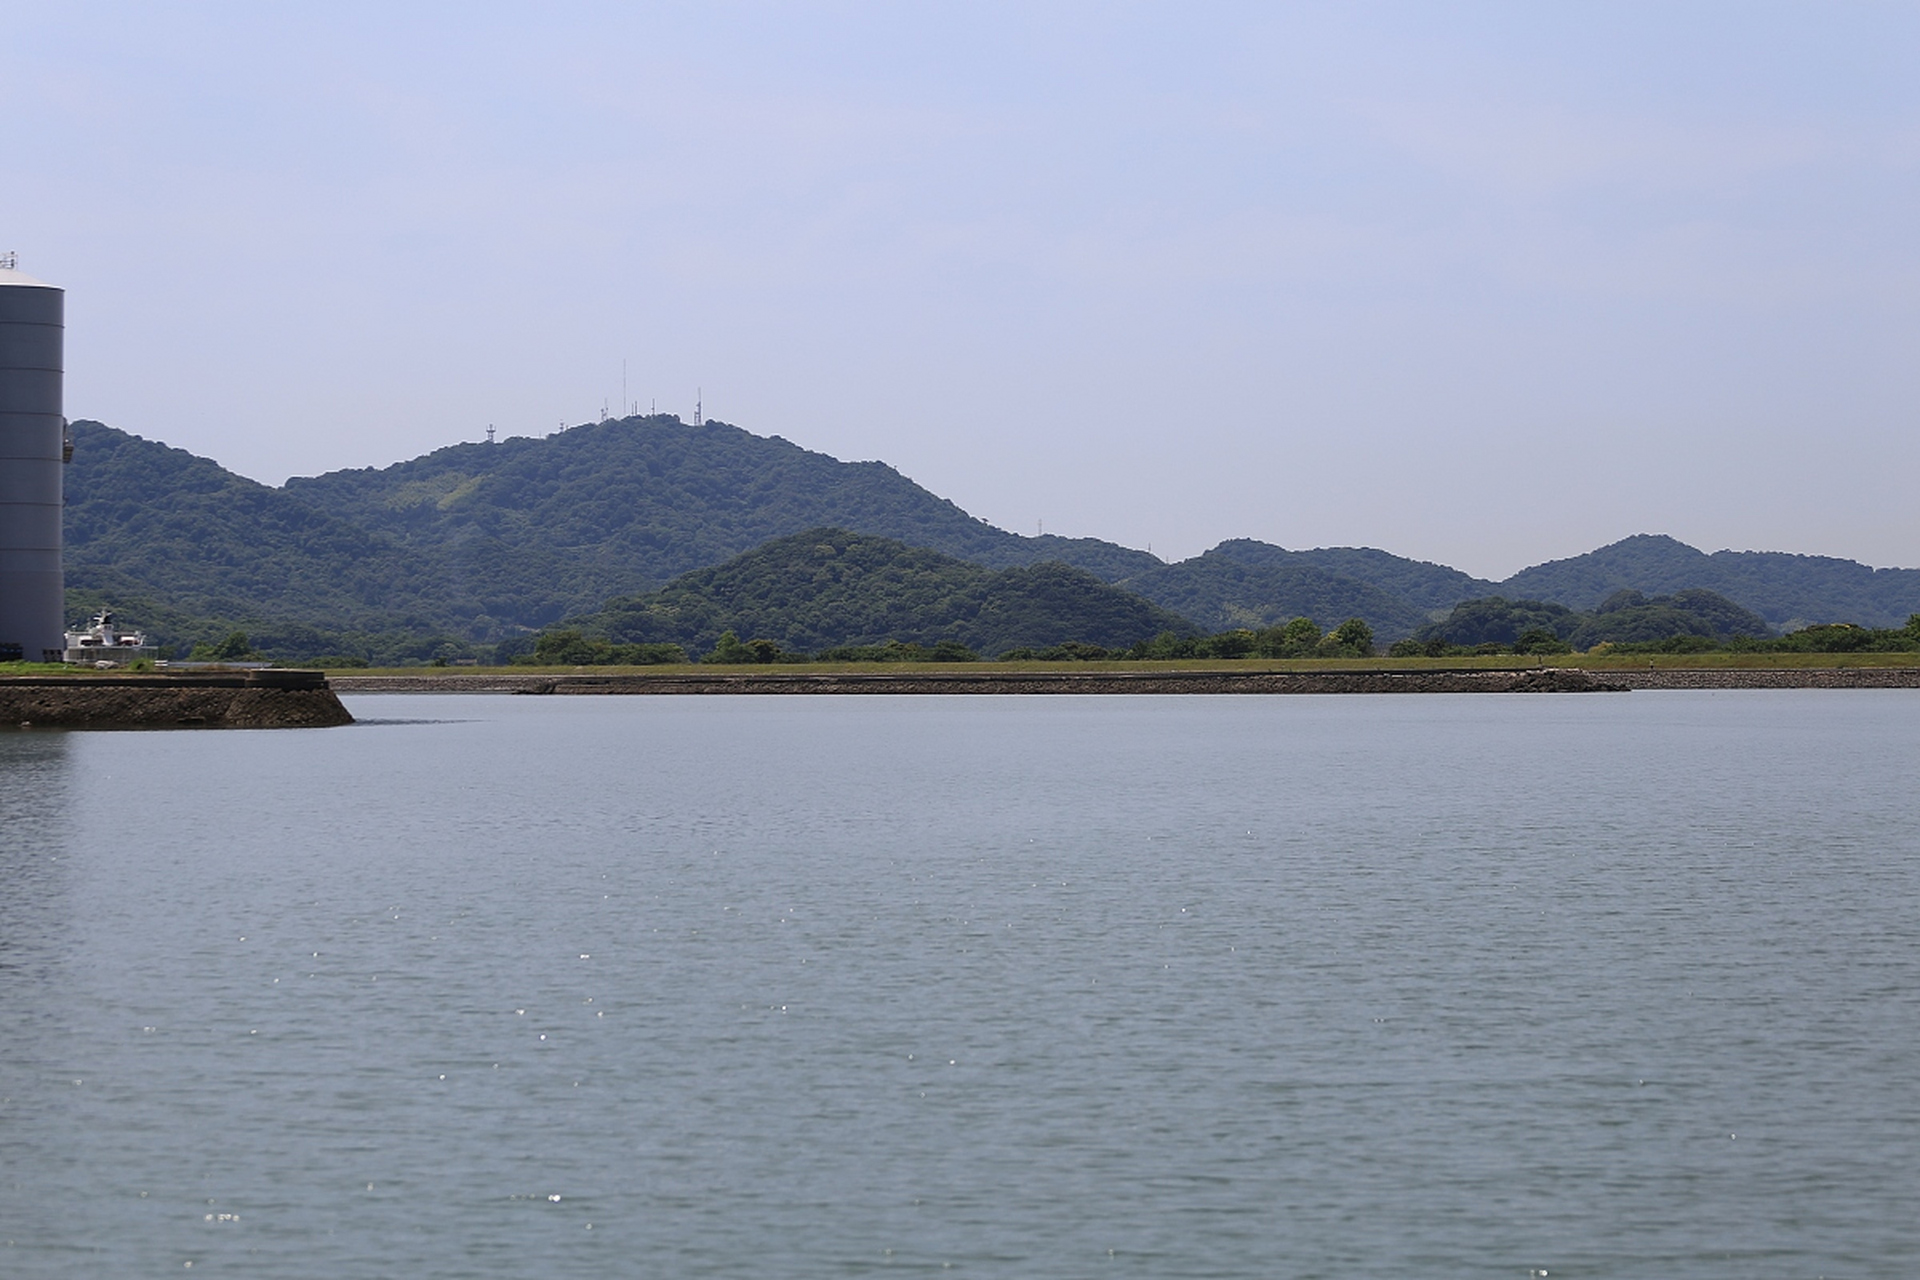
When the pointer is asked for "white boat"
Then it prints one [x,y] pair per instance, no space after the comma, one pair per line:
[104,645]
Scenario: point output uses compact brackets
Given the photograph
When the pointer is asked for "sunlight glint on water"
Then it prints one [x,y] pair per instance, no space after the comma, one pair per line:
[1605,985]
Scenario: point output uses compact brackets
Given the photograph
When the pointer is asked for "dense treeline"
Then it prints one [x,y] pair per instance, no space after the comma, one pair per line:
[1299,638]
[178,631]
[1835,637]
[1696,621]
[1495,624]
[569,648]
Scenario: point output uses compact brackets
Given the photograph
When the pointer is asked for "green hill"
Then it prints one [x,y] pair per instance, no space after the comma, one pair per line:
[1420,583]
[1626,617]
[1221,592]
[827,588]
[1789,591]
[559,524]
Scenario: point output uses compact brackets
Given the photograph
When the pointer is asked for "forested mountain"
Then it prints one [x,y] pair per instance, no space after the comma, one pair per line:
[559,524]
[1222,592]
[825,588]
[1788,590]
[475,544]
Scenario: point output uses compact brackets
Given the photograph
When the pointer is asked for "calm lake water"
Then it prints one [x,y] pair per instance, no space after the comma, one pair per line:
[1426,986]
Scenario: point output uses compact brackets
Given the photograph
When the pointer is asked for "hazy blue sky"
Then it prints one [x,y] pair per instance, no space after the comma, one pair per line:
[1480,283]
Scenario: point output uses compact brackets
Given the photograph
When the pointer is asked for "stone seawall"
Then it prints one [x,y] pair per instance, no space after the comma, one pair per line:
[201,700]
[1548,680]
[990,680]
[1774,678]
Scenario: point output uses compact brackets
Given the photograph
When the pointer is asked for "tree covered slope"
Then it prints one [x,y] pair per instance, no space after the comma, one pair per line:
[1221,592]
[825,588]
[559,524]
[1626,617]
[475,544]
[1420,583]
[482,541]
[1788,590]
[148,522]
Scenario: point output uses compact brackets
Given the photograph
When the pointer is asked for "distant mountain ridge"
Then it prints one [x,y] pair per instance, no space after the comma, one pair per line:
[624,505]
[479,543]
[1787,590]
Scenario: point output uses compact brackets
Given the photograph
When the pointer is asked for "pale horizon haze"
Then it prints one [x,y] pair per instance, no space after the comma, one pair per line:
[1485,284]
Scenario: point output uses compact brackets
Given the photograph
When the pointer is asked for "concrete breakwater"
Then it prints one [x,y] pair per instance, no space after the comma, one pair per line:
[198,700]
[763,681]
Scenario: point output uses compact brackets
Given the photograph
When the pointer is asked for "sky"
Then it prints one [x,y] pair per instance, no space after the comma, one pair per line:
[1486,284]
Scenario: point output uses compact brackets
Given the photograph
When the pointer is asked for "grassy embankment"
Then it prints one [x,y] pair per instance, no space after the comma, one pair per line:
[1478,662]
[1488,662]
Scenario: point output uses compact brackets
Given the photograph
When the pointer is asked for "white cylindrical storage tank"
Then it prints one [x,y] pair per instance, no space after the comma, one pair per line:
[32,431]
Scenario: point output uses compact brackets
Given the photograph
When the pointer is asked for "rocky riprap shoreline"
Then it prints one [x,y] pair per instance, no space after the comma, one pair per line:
[196,700]
[1546,680]
[1773,678]
[962,680]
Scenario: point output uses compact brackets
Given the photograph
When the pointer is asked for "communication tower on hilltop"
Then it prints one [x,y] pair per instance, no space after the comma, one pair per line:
[489,433]
[696,406]
[33,445]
